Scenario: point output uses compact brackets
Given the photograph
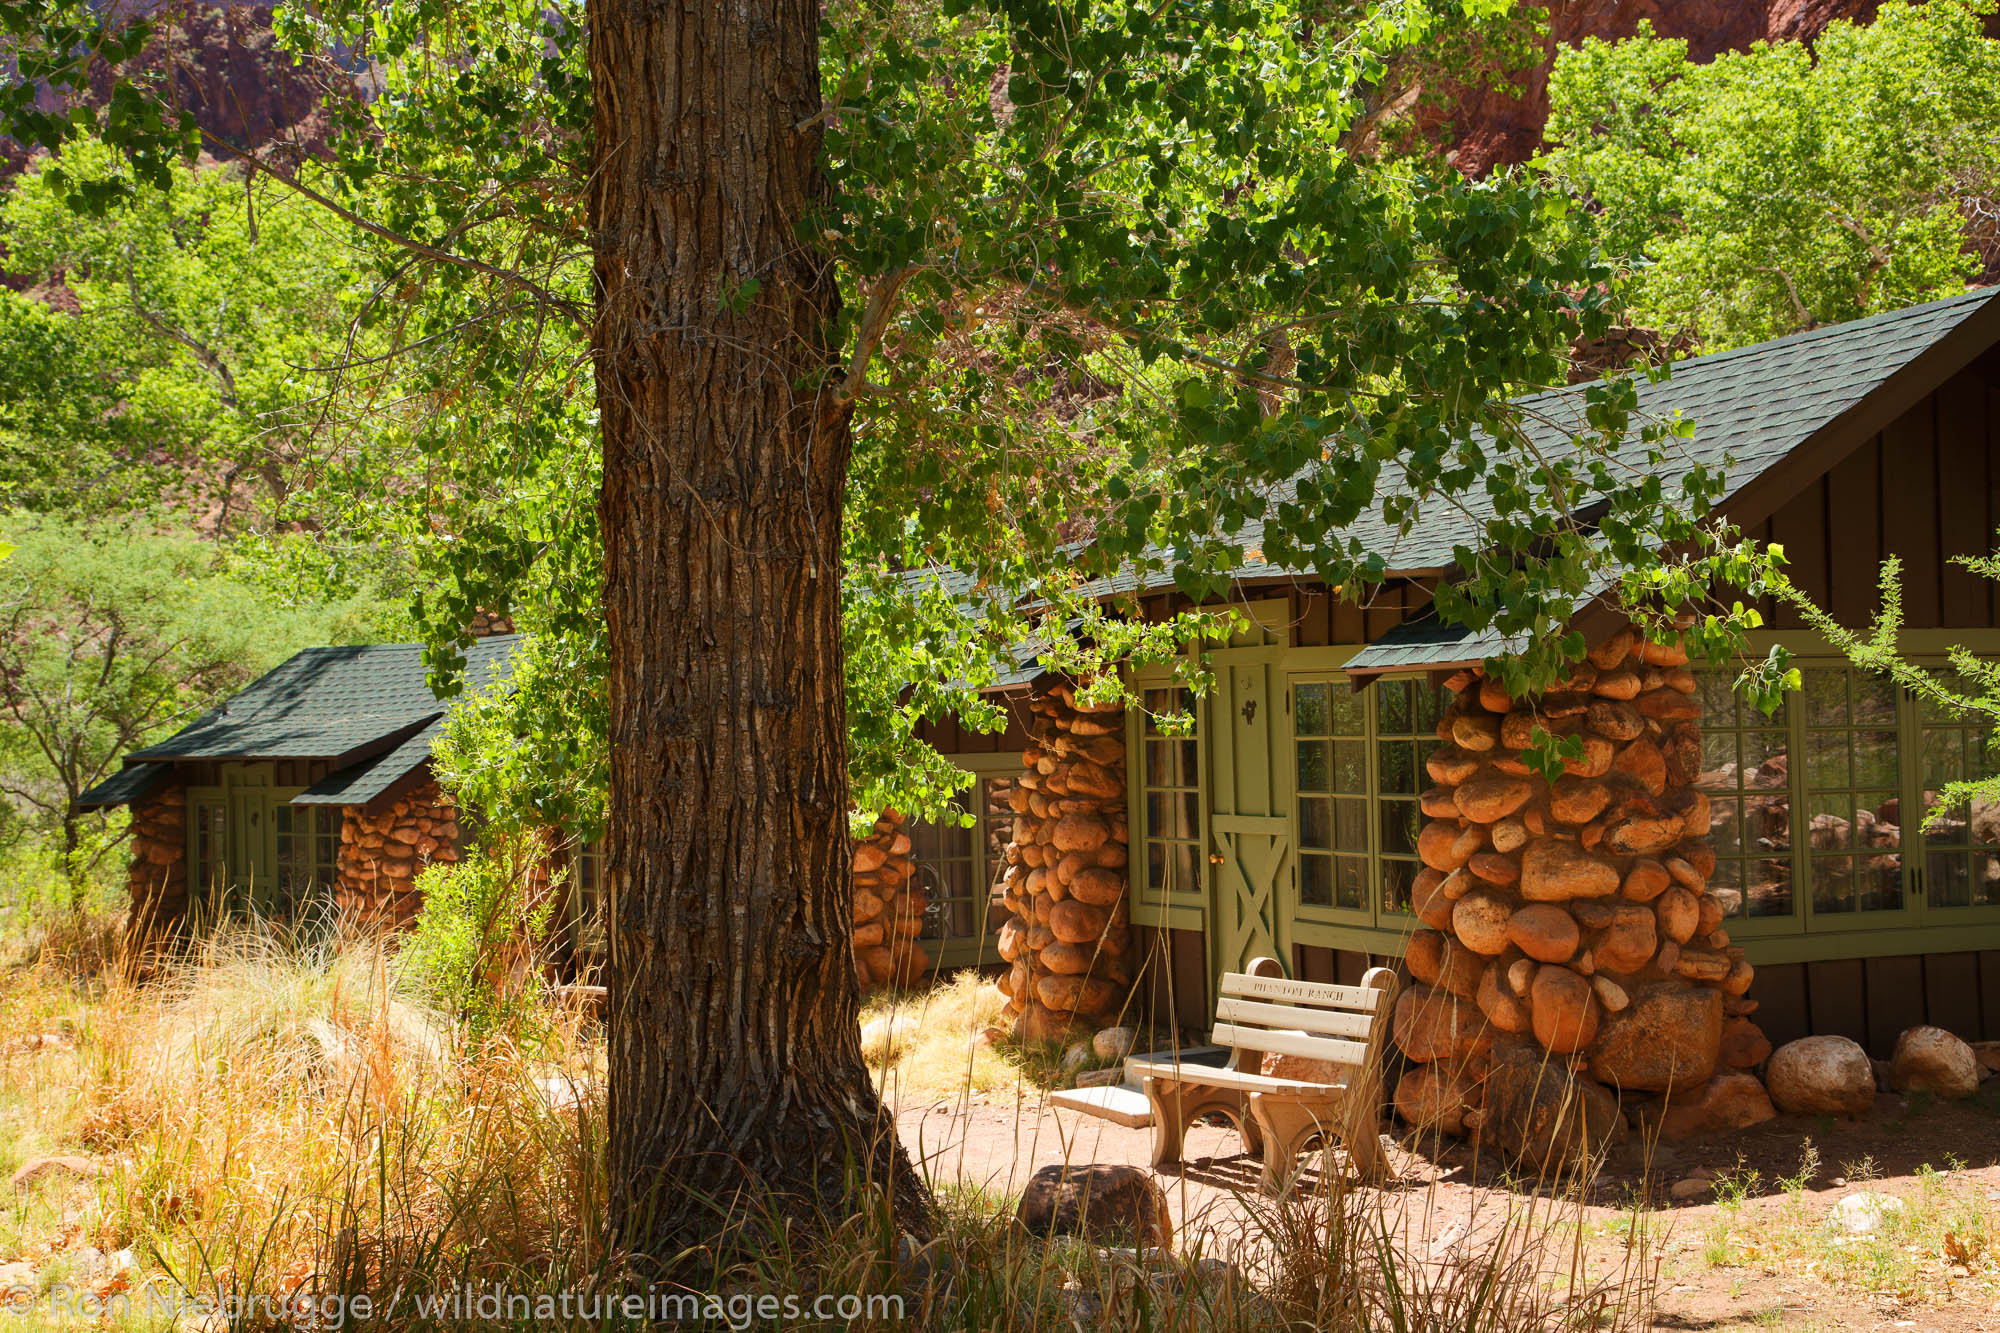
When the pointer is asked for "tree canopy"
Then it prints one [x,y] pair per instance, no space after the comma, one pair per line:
[1786,187]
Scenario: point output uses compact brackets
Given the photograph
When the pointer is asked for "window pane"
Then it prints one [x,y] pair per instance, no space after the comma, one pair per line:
[1347,712]
[1400,821]
[1396,766]
[1160,764]
[1350,825]
[1392,707]
[1315,880]
[1350,766]
[1315,822]
[1310,701]
[1397,876]
[1314,766]
[1351,881]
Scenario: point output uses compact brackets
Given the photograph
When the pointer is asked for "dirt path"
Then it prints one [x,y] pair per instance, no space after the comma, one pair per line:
[1757,1251]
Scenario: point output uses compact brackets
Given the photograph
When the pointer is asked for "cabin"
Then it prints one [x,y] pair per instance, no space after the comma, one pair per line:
[309,791]
[1295,822]
[1322,811]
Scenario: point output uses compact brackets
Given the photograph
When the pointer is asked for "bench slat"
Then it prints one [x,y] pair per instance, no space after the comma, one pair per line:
[1244,986]
[1338,1022]
[1224,1078]
[1291,1043]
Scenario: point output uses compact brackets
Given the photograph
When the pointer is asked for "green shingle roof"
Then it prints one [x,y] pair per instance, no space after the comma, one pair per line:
[325,703]
[358,784]
[125,786]
[1752,408]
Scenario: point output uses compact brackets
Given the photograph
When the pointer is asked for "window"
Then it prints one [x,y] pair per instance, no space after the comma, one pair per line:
[1853,776]
[947,862]
[211,844]
[1962,858]
[961,869]
[1358,770]
[1170,805]
[306,842]
[1807,813]
[1745,762]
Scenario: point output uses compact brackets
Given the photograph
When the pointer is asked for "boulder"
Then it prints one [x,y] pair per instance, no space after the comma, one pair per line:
[1544,932]
[1450,765]
[1503,1009]
[1114,1043]
[1929,1059]
[1574,800]
[1564,1010]
[1494,867]
[1646,880]
[1080,833]
[1434,1098]
[1614,719]
[1444,846]
[1480,921]
[1492,795]
[1666,1040]
[1724,1104]
[1097,885]
[1432,1024]
[1508,836]
[1679,912]
[1424,952]
[37,1169]
[1119,1205]
[1475,731]
[1539,1112]
[1744,1044]
[1459,969]
[1825,1075]
[1643,762]
[1554,871]
[1642,837]
[1628,940]
[1077,922]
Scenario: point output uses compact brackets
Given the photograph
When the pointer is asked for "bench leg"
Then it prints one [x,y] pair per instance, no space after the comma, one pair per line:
[1289,1123]
[1176,1105]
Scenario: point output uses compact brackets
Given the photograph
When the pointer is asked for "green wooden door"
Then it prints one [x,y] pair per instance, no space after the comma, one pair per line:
[1249,835]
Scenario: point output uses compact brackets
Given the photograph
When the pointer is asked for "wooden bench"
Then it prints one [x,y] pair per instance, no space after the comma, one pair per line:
[1262,1010]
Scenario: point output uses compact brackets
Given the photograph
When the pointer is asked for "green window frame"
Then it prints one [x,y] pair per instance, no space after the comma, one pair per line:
[305,845]
[1357,768]
[1167,804]
[1814,857]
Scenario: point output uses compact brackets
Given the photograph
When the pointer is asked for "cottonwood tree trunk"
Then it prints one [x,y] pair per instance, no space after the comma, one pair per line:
[735,1063]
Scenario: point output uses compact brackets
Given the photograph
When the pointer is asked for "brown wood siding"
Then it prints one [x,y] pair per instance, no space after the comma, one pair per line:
[1926,489]
[1873,1000]
[1175,990]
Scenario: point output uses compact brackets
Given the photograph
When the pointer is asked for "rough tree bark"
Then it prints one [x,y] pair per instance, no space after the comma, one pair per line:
[735,1063]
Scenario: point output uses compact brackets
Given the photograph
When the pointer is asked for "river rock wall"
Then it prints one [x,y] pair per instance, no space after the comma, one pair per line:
[1568,924]
[888,908]
[382,849]
[158,878]
[1068,938]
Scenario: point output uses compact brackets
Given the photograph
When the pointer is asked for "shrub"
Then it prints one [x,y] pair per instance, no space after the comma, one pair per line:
[472,951]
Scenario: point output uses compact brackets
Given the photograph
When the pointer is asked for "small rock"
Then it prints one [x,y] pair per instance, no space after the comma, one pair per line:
[1104,1202]
[37,1169]
[1076,1057]
[1693,1187]
[1864,1211]
[120,1261]
[1988,1055]
[16,1274]
[1101,1078]
[1929,1059]
[1114,1043]
[987,1037]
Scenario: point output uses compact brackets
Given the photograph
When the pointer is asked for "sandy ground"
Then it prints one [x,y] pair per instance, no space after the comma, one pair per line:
[1444,1200]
